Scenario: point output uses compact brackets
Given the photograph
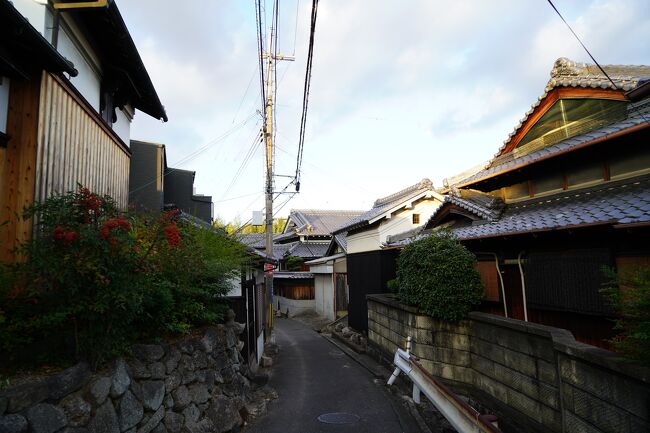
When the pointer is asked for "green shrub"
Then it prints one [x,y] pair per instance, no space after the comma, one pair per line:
[437,274]
[629,295]
[294,263]
[95,279]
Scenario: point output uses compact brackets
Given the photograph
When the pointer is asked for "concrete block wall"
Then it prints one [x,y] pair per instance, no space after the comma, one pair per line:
[534,377]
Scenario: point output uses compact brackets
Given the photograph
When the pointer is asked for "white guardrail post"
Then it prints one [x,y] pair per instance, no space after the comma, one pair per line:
[463,417]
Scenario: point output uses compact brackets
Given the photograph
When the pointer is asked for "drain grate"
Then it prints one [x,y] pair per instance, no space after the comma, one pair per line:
[338,418]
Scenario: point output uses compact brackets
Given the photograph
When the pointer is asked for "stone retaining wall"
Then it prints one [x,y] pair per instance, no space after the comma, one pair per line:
[194,385]
[534,377]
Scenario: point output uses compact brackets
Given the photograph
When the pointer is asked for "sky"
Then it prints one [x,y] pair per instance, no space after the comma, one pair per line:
[400,90]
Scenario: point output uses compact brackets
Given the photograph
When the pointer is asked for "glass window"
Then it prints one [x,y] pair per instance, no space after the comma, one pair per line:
[571,117]
[416,218]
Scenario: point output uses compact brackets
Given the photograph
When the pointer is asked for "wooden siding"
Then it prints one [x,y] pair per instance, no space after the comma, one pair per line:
[17,165]
[75,146]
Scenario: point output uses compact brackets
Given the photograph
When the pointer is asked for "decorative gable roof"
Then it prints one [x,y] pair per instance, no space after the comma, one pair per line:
[586,78]
[478,203]
[313,222]
[567,73]
[391,203]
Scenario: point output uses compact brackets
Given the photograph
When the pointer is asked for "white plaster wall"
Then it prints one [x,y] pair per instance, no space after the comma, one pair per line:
[294,306]
[403,220]
[324,296]
[4,102]
[400,221]
[87,81]
[122,126]
[34,11]
[367,240]
[341,266]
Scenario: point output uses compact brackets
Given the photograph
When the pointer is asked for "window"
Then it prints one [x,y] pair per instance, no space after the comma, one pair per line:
[416,218]
[4,103]
[568,118]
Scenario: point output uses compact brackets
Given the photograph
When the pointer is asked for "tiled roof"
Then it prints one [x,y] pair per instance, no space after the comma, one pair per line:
[308,250]
[567,73]
[284,275]
[313,222]
[622,202]
[479,203]
[638,114]
[342,240]
[384,204]
[255,240]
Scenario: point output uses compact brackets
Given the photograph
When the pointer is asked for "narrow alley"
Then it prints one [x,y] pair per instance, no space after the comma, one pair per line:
[314,378]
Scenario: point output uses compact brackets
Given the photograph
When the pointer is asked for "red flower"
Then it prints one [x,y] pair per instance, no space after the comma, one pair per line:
[115,223]
[173,235]
[59,232]
[70,237]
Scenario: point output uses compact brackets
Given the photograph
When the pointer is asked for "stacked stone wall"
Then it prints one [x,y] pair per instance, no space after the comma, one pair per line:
[534,377]
[194,385]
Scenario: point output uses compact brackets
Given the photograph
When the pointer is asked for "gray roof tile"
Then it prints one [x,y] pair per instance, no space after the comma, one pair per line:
[622,202]
[384,204]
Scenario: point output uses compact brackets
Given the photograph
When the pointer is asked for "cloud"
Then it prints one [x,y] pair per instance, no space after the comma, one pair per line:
[400,91]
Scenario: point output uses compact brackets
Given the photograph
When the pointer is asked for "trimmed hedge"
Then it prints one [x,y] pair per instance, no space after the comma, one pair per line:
[437,274]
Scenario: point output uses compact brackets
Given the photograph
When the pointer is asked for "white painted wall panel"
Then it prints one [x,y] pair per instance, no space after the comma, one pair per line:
[122,126]
[87,82]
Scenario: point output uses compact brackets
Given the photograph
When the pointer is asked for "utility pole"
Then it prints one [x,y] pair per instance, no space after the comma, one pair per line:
[268,140]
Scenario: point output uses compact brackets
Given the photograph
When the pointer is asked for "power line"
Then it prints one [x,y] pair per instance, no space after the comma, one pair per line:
[593,58]
[244,163]
[244,97]
[197,152]
[305,98]
[260,47]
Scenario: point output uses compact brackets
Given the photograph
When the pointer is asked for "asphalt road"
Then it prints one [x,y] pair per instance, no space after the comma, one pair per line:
[313,377]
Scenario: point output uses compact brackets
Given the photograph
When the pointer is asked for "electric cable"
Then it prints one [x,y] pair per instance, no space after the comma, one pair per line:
[305,99]
[593,58]
[197,152]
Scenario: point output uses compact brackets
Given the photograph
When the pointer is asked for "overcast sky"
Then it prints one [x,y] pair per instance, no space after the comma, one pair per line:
[401,90]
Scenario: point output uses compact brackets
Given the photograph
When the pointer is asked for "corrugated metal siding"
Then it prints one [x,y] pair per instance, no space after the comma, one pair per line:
[73,147]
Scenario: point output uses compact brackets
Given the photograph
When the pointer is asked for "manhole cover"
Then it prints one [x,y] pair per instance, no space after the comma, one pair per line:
[338,418]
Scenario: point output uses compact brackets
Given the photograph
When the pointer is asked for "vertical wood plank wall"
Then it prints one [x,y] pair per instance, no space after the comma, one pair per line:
[75,147]
[18,165]
[56,140]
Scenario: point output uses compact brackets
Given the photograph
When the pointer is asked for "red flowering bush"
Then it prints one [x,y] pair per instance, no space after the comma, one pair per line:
[95,279]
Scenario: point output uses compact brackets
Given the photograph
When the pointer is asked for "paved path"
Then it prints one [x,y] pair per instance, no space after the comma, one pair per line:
[313,377]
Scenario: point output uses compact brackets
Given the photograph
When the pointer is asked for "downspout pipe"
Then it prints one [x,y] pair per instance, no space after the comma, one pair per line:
[503,288]
[523,285]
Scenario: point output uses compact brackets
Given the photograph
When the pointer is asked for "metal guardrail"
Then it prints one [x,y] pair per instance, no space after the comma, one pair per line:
[463,417]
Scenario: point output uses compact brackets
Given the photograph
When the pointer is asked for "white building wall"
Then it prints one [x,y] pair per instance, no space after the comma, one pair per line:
[122,126]
[87,82]
[400,222]
[324,296]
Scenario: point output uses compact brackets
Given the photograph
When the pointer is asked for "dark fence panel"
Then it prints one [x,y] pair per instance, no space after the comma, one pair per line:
[368,273]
